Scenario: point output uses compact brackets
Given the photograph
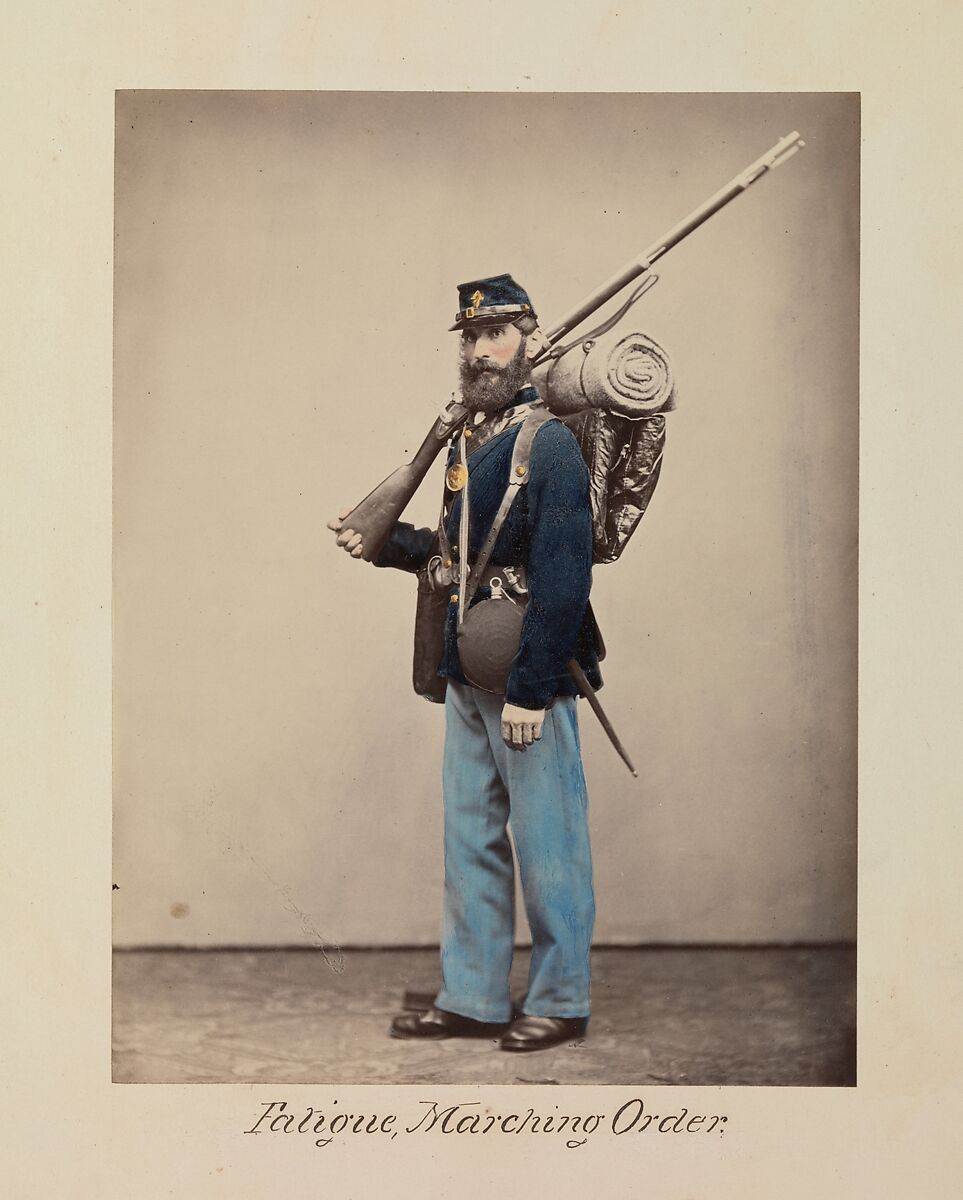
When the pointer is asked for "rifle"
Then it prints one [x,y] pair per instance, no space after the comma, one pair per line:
[377,513]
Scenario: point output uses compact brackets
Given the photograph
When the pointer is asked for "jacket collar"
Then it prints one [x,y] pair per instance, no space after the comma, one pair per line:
[508,417]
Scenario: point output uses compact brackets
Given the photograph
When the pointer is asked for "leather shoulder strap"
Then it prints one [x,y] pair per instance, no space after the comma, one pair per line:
[517,478]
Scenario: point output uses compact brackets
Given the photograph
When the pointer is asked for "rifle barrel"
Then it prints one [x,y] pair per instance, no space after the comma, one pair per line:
[641,263]
[375,516]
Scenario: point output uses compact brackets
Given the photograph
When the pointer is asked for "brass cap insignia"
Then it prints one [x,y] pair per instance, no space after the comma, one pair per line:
[477,298]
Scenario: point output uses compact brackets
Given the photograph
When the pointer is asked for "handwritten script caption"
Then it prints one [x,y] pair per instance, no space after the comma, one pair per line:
[472,1119]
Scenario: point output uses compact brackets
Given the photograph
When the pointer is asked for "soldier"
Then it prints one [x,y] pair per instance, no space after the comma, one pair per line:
[512,757]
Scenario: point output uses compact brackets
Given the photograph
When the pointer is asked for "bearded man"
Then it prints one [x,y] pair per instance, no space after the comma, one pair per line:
[512,758]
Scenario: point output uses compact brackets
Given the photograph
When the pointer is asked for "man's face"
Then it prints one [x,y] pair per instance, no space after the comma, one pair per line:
[494,366]
[490,343]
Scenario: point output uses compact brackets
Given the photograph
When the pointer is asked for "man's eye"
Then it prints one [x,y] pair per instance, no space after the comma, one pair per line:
[497,333]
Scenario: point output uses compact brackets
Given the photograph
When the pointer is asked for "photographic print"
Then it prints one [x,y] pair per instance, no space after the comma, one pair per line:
[609,838]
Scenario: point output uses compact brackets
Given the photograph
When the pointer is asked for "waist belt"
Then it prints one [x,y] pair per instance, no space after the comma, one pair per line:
[511,580]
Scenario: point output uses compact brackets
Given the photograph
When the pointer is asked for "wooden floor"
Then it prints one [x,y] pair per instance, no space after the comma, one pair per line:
[772,1016]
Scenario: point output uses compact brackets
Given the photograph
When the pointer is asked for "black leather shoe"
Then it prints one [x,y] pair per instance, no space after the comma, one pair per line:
[538,1033]
[437,1023]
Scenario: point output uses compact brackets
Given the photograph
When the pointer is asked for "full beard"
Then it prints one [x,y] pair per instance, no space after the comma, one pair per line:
[486,387]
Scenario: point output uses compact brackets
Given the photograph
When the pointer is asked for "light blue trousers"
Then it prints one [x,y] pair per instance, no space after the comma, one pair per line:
[542,792]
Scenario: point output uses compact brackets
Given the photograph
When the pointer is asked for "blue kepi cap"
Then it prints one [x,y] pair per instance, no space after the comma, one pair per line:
[498,300]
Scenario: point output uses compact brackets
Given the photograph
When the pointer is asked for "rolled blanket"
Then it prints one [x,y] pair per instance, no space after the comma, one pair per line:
[625,373]
[612,391]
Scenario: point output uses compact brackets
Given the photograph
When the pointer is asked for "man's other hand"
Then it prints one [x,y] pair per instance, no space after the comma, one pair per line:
[347,538]
[521,726]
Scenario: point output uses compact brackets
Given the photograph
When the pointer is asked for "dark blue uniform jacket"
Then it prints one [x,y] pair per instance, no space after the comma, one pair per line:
[548,531]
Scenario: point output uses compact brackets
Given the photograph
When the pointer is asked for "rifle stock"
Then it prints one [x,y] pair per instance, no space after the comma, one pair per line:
[377,513]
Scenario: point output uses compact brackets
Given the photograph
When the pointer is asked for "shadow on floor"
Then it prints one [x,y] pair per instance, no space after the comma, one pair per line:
[770,1016]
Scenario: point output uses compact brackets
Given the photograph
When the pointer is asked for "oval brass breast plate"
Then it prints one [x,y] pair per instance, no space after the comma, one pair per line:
[457,477]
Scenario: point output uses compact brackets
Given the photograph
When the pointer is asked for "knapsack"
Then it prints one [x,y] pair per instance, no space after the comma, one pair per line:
[613,390]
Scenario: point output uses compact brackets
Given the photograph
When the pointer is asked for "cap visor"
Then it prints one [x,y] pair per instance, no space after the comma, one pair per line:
[493,319]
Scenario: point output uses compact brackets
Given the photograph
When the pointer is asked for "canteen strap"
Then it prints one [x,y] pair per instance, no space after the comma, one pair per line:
[517,478]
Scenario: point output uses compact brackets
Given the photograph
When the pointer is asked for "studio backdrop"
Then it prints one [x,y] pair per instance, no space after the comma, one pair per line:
[285,276]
